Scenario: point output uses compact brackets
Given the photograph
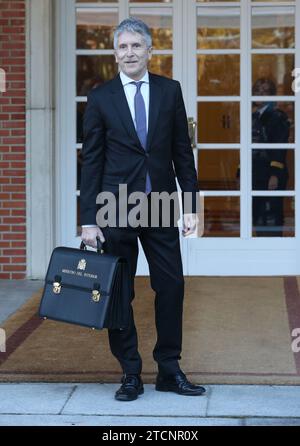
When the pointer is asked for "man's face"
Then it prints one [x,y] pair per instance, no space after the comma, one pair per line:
[261,89]
[132,55]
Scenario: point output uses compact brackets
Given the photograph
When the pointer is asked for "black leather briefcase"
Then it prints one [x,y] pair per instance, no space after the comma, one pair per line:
[87,288]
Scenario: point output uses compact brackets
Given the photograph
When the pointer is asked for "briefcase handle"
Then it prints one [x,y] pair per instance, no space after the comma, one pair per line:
[100,249]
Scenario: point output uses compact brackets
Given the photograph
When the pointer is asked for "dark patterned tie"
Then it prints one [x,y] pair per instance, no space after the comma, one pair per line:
[141,124]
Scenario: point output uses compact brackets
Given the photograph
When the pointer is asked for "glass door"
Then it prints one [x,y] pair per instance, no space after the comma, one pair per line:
[242,55]
[94,64]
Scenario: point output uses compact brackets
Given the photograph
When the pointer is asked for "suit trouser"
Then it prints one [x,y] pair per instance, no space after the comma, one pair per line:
[162,250]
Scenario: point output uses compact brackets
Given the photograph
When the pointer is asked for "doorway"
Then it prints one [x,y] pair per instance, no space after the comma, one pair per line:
[218,52]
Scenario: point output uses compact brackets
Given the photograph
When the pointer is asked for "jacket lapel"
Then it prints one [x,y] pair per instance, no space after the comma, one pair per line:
[154,105]
[122,109]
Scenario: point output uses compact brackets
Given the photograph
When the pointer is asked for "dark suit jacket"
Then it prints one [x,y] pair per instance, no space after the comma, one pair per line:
[112,153]
[272,126]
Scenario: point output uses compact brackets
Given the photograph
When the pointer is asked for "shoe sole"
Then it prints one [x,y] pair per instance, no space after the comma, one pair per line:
[126,398]
[166,389]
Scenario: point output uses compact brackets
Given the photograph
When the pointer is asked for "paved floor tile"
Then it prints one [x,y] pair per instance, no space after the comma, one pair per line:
[94,399]
[245,400]
[272,422]
[81,420]
[33,398]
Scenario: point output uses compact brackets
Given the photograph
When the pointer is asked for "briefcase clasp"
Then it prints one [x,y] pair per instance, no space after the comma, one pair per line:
[56,287]
[96,295]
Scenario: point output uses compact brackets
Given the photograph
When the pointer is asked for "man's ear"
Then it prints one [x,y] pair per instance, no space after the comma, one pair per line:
[150,52]
[115,54]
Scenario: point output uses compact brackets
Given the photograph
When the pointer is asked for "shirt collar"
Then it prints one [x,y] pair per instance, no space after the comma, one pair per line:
[263,109]
[127,80]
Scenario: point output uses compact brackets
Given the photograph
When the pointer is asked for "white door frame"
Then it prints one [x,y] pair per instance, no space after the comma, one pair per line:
[66,116]
[205,256]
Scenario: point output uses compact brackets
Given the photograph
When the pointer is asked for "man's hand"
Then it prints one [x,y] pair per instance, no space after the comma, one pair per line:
[88,235]
[190,224]
[273,183]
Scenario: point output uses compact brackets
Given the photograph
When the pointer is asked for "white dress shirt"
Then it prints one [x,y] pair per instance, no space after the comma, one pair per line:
[130,90]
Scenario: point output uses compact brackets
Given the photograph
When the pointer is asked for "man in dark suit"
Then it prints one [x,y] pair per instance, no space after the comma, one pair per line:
[270,125]
[135,130]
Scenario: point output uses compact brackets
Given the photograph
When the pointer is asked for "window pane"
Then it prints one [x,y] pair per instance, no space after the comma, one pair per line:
[219,75]
[212,1]
[78,217]
[221,217]
[275,72]
[273,216]
[150,1]
[79,162]
[95,28]
[160,22]
[218,169]
[273,122]
[93,71]
[218,122]
[270,163]
[273,1]
[79,126]
[218,27]
[97,1]
[162,65]
[273,27]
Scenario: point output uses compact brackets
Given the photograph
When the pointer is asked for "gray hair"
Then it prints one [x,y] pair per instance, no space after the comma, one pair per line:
[133,25]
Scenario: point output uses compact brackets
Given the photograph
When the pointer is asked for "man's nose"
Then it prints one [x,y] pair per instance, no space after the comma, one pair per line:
[132,50]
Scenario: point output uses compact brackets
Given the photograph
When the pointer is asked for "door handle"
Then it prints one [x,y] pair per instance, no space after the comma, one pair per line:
[192,132]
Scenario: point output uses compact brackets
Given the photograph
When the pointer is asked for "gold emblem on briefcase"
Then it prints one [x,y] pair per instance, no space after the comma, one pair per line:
[56,287]
[81,264]
[96,295]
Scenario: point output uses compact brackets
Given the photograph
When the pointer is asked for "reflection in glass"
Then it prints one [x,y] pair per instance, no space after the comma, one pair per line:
[273,216]
[218,27]
[290,165]
[273,169]
[222,217]
[95,28]
[277,68]
[272,122]
[79,121]
[218,75]
[160,22]
[218,122]
[273,27]
[162,65]
[218,169]
[93,71]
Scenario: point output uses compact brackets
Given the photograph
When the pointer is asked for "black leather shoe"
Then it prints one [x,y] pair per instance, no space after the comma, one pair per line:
[131,387]
[177,383]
